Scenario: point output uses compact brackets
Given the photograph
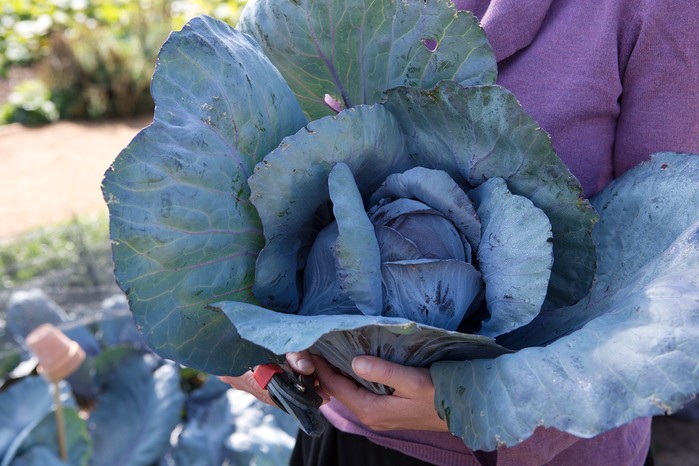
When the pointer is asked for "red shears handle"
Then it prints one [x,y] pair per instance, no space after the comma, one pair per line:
[264,373]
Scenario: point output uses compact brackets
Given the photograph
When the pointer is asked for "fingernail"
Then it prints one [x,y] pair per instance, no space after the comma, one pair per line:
[304,365]
[361,365]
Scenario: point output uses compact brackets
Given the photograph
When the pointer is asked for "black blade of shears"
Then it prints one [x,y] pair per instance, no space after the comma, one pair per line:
[296,396]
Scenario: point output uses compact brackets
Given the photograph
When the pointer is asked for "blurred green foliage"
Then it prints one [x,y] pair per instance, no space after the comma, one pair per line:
[96,57]
[30,104]
[51,248]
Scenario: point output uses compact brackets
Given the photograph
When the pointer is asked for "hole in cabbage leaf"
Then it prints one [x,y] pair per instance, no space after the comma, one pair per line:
[430,44]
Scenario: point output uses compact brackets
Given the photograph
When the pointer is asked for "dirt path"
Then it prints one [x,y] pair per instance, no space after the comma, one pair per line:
[50,174]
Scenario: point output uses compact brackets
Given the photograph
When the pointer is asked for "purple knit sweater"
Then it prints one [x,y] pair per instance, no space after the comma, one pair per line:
[612,81]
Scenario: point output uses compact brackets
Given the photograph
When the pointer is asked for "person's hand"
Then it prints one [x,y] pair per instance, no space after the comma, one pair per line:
[411,406]
[300,363]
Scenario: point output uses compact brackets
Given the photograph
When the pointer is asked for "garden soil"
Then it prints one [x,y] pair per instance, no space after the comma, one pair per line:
[53,173]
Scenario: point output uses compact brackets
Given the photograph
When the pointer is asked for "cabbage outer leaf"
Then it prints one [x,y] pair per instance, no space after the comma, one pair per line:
[184,232]
[633,355]
[659,197]
[354,52]
[514,256]
[482,132]
[339,338]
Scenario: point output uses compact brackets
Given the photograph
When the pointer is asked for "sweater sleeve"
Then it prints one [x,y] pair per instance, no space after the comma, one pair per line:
[660,97]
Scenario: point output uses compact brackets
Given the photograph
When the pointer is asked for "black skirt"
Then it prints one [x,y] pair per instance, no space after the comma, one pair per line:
[337,448]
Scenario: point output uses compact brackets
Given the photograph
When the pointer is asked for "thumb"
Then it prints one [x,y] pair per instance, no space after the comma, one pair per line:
[403,379]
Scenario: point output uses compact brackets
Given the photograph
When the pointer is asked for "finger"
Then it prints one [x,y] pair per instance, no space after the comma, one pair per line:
[330,379]
[405,380]
[247,383]
[339,386]
[301,362]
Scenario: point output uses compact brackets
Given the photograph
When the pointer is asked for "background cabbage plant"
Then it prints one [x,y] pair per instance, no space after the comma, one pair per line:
[348,178]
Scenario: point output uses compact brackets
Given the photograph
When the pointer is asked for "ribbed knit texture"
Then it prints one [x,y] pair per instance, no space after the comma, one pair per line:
[624,446]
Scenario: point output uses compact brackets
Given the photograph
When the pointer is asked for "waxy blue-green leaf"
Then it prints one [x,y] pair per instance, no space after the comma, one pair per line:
[28,309]
[339,338]
[322,293]
[354,52]
[17,417]
[624,352]
[663,191]
[41,448]
[639,358]
[356,249]
[39,456]
[481,132]
[185,234]
[290,186]
[202,440]
[515,256]
[133,420]
[28,422]
[660,192]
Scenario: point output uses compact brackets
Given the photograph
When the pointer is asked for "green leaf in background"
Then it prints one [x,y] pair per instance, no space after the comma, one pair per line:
[41,448]
[27,421]
[185,234]
[135,416]
[16,416]
[354,52]
[10,357]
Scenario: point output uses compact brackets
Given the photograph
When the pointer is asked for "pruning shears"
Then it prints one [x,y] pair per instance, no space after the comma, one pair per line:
[294,394]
